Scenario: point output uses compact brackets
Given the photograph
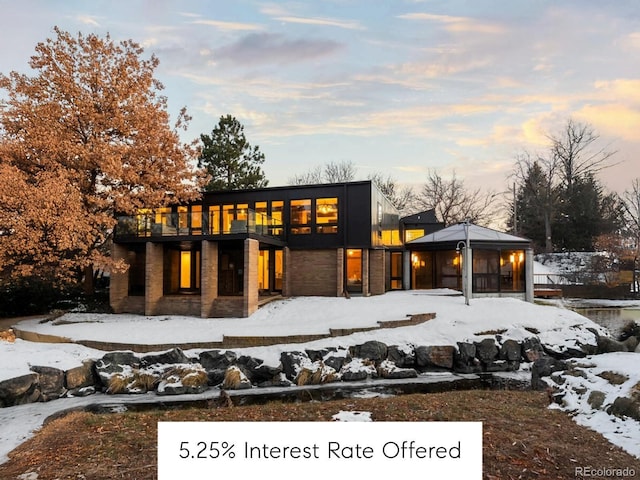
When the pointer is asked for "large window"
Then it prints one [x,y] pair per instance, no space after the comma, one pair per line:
[486,267]
[421,270]
[214,219]
[396,270]
[182,271]
[277,207]
[512,271]
[327,215]
[301,216]
[448,264]
[498,271]
[354,270]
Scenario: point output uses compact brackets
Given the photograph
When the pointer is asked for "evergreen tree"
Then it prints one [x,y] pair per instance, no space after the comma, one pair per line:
[229,159]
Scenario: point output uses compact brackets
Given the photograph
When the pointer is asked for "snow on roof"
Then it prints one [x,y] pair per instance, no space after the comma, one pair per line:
[476,233]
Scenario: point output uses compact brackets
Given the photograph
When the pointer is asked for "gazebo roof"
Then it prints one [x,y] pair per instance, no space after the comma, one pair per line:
[476,235]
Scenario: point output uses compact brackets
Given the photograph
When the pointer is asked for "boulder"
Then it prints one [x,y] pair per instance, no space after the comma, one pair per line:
[81,377]
[234,379]
[172,357]
[631,343]
[543,367]
[182,380]
[81,392]
[532,349]
[256,370]
[402,356]
[358,369]
[510,350]
[50,381]
[486,350]
[335,361]
[292,363]
[371,350]
[19,390]
[464,359]
[437,356]
[638,349]
[625,407]
[315,355]
[115,363]
[316,373]
[596,399]
[609,345]
[216,363]
[387,369]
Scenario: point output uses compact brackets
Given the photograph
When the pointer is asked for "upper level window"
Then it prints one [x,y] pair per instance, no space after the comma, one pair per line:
[277,207]
[327,215]
[301,216]
[214,219]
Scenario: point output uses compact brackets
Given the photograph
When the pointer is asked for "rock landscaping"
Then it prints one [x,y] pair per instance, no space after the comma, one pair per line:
[173,372]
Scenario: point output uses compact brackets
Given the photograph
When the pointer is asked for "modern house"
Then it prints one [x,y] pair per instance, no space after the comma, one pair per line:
[232,250]
[219,257]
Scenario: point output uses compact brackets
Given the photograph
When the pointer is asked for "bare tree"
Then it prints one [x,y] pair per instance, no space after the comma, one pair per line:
[338,172]
[403,198]
[454,203]
[311,177]
[631,205]
[576,153]
[332,172]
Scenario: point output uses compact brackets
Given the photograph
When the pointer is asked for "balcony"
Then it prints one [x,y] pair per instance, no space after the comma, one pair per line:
[154,224]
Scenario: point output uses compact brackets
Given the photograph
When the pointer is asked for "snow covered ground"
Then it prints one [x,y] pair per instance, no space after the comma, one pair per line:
[454,322]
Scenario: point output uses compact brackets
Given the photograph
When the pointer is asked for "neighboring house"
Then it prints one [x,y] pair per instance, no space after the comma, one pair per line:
[222,256]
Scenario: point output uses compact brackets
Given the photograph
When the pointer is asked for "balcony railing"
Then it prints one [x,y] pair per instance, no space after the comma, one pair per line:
[164,224]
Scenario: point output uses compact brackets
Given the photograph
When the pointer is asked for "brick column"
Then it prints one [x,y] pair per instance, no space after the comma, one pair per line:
[377,272]
[339,272]
[209,277]
[250,277]
[153,277]
[119,281]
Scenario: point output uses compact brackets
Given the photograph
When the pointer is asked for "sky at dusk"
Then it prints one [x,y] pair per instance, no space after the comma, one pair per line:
[396,87]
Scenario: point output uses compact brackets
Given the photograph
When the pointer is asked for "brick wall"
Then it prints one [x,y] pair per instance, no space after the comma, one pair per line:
[314,272]
[377,272]
[178,305]
[224,307]
[153,277]
[209,277]
[250,277]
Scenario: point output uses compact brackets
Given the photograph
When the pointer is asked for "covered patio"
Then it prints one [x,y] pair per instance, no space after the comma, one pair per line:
[477,260]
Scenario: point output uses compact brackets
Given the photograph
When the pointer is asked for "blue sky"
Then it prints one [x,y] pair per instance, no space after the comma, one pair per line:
[396,87]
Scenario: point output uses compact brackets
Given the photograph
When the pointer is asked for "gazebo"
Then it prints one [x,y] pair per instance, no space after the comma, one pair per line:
[501,264]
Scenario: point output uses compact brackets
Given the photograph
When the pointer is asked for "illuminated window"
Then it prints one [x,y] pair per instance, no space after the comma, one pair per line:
[263,270]
[354,270]
[300,216]
[183,219]
[327,215]
[185,270]
[189,270]
[277,207]
[412,234]
[214,219]
[227,218]
[196,219]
